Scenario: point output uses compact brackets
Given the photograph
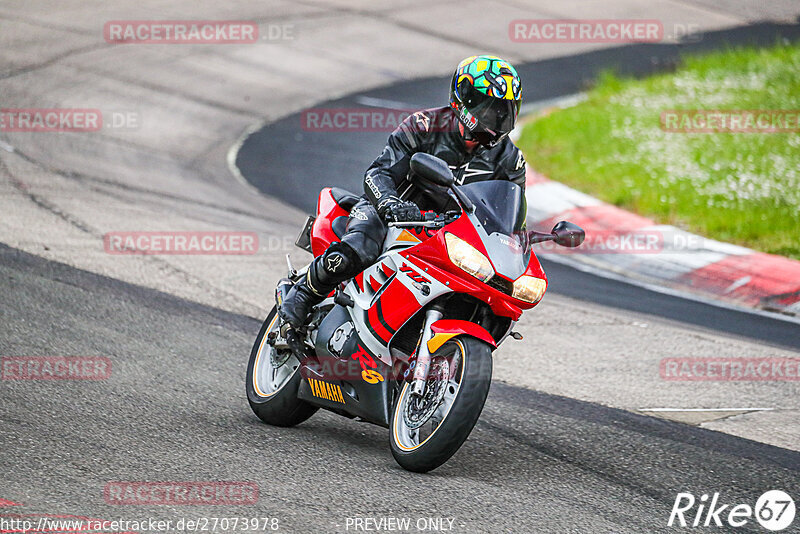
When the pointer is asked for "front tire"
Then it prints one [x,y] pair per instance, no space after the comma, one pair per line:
[271,389]
[422,446]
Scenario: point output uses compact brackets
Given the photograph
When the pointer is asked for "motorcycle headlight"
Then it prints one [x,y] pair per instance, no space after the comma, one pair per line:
[529,288]
[467,258]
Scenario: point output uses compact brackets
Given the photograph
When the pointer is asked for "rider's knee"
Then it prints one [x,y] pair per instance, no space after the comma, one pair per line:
[339,262]
[365,233]
[367,245]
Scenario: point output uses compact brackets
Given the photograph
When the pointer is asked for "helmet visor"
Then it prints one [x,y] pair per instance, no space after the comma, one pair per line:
[496,114]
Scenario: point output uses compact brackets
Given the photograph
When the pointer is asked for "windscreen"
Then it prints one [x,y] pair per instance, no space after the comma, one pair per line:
[500,209]
[499,205]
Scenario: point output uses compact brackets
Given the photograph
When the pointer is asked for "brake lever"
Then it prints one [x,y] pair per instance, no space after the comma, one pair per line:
[452,215]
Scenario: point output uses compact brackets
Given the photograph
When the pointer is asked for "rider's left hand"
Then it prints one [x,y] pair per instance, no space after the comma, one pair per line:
[397,210]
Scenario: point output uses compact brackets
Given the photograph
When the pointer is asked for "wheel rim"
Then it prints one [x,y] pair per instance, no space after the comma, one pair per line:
[268,378]
[408,431]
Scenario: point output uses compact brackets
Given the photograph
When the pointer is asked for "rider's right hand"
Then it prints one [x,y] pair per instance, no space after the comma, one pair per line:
[395,210]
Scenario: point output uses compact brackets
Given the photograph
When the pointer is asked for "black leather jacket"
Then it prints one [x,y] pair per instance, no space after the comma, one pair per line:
[435,131]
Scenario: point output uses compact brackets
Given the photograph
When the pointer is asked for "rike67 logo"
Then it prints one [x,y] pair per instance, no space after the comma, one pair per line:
[774,510]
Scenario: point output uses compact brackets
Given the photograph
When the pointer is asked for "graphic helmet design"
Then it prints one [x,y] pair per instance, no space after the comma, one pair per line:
[486,93]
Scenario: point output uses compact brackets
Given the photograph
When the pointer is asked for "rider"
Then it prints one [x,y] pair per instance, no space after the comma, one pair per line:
[471,135]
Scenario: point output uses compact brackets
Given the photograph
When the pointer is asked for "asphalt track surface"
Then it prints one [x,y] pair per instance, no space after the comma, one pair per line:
[287,160]
[174,409]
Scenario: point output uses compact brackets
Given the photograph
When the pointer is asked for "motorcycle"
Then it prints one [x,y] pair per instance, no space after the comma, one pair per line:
[407,343]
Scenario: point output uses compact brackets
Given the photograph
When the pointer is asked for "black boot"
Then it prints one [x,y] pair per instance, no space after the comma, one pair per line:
[298,302]
[336,265]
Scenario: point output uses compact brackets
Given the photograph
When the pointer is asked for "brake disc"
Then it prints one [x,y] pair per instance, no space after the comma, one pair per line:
[420,408]
[279,357]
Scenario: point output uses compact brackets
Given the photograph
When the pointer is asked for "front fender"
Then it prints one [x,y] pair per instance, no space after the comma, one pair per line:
[446,329]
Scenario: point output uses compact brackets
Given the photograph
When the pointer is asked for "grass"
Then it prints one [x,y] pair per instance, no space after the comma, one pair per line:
[742,188]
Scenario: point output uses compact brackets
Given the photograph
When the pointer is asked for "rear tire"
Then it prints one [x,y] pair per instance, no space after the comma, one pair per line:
[471,381]
[272,391]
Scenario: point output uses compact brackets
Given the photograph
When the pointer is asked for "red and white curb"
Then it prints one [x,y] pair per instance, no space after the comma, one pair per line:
[627,246]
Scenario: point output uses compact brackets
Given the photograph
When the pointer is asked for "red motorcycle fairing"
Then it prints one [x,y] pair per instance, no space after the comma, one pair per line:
[446,329]
[432,255]
[500,303]
[391,310]
[422,234]
[392,292]
[386,303]
[328,210]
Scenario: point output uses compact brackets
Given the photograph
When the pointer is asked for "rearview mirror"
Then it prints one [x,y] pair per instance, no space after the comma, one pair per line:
[568,234]
[432,169]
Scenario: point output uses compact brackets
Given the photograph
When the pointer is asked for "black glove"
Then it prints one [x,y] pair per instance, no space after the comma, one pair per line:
[395,210]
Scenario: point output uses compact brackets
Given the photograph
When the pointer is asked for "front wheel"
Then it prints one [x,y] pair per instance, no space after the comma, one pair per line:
[272,381]
[426,431]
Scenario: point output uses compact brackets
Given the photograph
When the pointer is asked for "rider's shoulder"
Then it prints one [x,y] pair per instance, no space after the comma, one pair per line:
[426,121]
[509,153]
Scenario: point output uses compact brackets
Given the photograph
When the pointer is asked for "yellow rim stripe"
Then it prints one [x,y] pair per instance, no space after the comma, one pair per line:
[402,394]
[258,357]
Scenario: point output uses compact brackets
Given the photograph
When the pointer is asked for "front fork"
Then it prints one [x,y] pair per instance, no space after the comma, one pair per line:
[423,354]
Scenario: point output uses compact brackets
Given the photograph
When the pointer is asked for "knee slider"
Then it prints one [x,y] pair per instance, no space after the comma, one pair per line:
[339,263]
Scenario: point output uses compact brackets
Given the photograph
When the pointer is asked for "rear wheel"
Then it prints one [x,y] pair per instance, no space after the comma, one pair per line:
[426,431]
[272,381]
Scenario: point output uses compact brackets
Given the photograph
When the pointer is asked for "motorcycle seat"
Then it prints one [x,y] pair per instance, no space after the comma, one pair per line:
[344,198]
[339,225]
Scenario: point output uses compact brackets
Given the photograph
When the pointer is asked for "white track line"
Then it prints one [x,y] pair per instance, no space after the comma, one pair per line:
[706,409]
[383,103]
[233,152]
